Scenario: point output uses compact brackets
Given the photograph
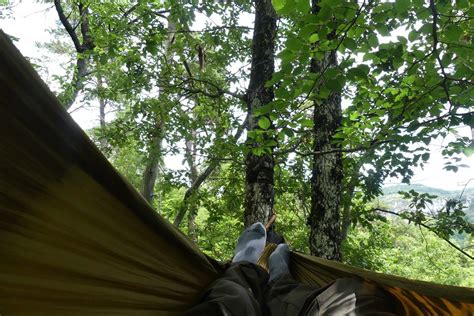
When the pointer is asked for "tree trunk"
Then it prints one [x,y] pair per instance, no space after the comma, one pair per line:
[193,175]
[259,193]
[347,198]
[102,105]
[326,183]
[213,164]
[83,49]
[152,167]
[150,175]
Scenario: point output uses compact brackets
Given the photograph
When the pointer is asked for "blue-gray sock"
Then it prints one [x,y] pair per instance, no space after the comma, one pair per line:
[279,261]
[250,244]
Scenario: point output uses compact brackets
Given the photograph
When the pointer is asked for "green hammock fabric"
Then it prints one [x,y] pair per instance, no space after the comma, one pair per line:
[77,239]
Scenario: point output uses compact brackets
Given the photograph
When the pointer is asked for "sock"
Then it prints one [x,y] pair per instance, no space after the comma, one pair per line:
[279,261]
[250,244]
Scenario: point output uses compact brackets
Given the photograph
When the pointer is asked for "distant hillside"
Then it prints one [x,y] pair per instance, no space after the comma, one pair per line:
[392,200]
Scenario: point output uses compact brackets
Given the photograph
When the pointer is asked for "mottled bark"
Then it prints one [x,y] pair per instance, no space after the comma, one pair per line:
[259,192]
[150,175]
[326,183]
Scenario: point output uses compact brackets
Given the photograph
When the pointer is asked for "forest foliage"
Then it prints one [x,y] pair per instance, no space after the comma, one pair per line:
[170,80]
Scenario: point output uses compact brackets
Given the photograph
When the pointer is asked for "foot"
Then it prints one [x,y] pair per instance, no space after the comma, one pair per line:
[250,244]
[279,262]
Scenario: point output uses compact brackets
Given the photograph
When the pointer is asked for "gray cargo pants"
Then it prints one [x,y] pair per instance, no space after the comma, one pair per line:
[244,290]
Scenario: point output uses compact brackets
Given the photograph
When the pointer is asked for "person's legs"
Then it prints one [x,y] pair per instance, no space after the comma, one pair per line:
[285,295]
[352,296]
[349,296]
[240,290]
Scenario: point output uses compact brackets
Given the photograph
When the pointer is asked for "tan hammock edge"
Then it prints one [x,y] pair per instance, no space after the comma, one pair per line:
[77,239]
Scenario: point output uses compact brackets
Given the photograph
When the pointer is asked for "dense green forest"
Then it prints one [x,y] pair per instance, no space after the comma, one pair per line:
[303,108]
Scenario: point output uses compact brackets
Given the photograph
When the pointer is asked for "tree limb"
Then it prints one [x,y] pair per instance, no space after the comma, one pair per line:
[67,26]
[202,177]
[372,145]
[435,51]
[430,229]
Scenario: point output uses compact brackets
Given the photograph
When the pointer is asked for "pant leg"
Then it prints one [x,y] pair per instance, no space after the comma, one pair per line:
[352,296]
[240,291]
[286,296]
[349,296]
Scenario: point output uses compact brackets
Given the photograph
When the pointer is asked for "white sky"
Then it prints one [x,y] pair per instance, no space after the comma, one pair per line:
[30,21]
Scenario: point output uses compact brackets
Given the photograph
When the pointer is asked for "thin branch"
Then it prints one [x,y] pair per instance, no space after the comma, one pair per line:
[202,177]
[430,229]
[217,28]
[464,188]
[372,145]
[219,91]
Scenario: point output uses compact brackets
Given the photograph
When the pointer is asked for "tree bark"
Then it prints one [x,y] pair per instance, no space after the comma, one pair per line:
[259,177]
[193,175]
[82,50]
[150,175]
[102,104]
[326,183]
[213,164]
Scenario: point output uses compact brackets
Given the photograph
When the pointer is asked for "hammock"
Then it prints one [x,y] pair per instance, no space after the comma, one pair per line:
[77,239]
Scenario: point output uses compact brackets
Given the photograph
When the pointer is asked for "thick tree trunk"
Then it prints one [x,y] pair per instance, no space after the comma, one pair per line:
[259,193]
[324,220]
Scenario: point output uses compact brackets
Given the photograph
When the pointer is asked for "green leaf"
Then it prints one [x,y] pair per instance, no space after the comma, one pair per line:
[303,5]
[286,55]
[278,4]
[350,43]
[356,73]
[453,33]
[402,5]
[373,40]
[264,122]
[314,38]
[306,122]
[294,44]
[353,116]
[277,76]
[412,36]
[336,84]
[307,30]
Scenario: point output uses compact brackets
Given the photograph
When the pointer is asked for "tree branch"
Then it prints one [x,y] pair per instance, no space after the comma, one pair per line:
[372,145]
[219,91]
[67,26]
[436,53]
[430,229]
[202,177]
